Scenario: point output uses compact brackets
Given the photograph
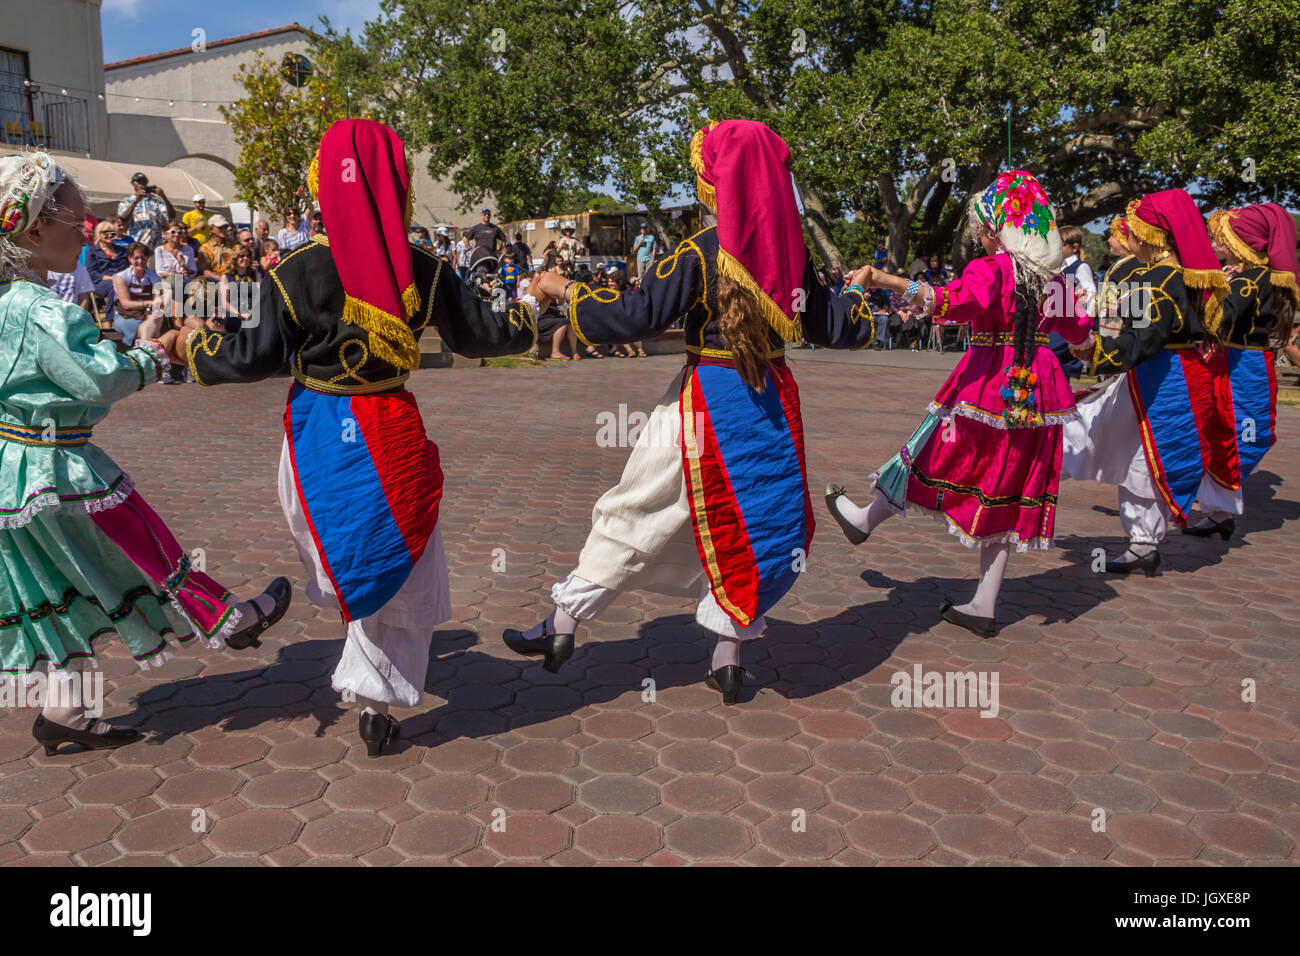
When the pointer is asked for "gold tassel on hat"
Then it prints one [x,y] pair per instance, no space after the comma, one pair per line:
[1144,231]
[391,339]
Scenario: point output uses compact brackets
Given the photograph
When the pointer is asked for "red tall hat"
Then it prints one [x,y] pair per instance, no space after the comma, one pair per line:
[362,180]
[1170,218]
[1261,235]
[744,178]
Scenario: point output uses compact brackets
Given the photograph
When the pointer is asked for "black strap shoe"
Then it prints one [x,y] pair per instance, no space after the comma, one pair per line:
[50,734]
[727,681]
[1148,564]
[377,730]
[851,531]
[1224,529]
[282,591]
[979,626]
[557,648]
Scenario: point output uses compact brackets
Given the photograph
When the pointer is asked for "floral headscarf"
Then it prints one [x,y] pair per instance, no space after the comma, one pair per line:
[1016,208]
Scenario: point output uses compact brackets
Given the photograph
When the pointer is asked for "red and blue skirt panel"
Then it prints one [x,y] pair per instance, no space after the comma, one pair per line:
[746,485]
[1184,407]
[1254,402]
[370,484]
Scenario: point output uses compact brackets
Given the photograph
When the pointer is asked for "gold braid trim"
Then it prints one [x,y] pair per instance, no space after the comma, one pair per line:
[1217,283]
[791,330]
[1144,231]
[391,339]
[1096,355]
[703,190]
[410,196]
[1221,229]
[313,175]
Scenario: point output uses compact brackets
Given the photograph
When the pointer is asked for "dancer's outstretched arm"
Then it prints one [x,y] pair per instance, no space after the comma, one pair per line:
[259,349]
[78,363]
[469,325]
[1141,339]
[836,320]
[606,317]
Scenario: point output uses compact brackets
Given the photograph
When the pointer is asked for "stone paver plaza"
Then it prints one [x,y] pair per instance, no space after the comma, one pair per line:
[1124,696]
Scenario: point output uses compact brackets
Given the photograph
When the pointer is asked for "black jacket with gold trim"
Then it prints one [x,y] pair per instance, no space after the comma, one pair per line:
[685,284]
[299,329]
[1158,314]
[1249,316]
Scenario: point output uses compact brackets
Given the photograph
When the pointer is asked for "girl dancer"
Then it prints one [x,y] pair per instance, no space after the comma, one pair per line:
[1258,246]
[987,458]
[1113,296]
[360,483]
[714,500]
[1163,431]
[82,554]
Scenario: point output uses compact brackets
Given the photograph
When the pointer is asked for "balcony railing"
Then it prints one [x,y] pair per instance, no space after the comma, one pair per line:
[30,116]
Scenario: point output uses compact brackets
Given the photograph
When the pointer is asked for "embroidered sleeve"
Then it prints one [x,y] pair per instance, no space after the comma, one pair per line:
[670,289]
[1144,334]
[259,349]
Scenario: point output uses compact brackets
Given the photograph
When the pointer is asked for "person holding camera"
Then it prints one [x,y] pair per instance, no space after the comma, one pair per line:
[146,211]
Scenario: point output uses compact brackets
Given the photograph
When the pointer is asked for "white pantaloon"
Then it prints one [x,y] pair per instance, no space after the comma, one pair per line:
[641,536]
[386,655]
[1105,444]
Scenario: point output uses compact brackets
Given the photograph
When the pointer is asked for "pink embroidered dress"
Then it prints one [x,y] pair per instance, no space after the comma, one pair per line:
[991,483]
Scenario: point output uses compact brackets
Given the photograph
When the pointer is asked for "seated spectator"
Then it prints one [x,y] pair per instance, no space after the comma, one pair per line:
[263,235]
[105,259]
[936,275]
[138,293]
[249,242]
[239,289]
[270,255]
[294,234]
[318,224]
[216,255]
[175,265]
[74,287]
[616,279]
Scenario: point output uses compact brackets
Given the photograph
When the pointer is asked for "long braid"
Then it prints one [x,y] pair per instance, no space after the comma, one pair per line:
[1019,395]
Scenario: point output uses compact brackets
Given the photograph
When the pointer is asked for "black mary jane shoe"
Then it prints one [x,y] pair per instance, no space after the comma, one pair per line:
[727,681]
[979,626]
[1148,564]
[1224,529]
[50,734]
[557,648]
[282,591]
[377,730]
[851,531]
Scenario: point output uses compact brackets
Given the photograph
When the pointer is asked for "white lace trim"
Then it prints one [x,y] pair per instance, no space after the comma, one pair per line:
[997,421]
[155,351]
[50,501]
[158,660]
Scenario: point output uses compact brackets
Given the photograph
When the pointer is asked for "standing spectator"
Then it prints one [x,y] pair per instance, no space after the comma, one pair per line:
[441,242]
[487,238]
[510,275]
[87,236]
[294,234]
[104,259]
[196,220]
[569,246]
[881,255]
[74,286]
[420,237]
[217,254]
[138,293]
[643,247]
[147,210]
[464,256]
[523,252]
[1084,286]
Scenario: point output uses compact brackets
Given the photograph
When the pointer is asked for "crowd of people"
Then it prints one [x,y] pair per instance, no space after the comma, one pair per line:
[149,260]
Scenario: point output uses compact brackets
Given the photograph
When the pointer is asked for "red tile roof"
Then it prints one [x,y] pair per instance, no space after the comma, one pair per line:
[135,60]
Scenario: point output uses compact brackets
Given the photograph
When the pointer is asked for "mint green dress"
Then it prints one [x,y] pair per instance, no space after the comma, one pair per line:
[64,583]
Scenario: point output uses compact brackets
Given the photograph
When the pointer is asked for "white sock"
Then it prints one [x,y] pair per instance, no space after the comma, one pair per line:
[993,565]
[865,519]
[59,709]
[559,622]
[264,601]
[725,653]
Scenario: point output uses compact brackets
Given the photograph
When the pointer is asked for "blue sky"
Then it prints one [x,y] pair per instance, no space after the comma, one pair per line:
[137,27]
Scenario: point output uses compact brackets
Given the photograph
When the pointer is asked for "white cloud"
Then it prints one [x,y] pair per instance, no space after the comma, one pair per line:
[124,9]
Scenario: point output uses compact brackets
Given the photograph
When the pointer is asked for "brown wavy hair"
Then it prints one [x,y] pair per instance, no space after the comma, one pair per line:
[1284,311]
[744,331]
